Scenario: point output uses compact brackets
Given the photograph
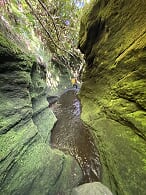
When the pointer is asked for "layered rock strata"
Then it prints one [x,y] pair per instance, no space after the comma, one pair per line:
[27,163]
[113,94]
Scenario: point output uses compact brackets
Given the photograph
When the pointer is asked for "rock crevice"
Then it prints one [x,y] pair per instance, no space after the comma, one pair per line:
[113,94]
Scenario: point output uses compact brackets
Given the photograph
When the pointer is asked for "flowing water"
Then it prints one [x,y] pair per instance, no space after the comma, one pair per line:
[71,135]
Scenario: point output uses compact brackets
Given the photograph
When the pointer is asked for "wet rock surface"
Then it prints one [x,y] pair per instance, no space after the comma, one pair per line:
[27,163]
[113,94]
[72,136]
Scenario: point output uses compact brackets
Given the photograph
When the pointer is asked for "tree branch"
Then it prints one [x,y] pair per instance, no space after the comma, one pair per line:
[45,8]
[47,32]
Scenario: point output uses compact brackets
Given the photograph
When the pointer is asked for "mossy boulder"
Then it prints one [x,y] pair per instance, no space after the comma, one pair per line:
[113,94]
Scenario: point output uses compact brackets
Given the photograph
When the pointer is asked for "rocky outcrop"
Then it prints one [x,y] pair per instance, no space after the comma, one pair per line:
[27,163]
[113,94]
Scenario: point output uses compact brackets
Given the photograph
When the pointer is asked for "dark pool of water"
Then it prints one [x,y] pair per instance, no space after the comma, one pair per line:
[71,135]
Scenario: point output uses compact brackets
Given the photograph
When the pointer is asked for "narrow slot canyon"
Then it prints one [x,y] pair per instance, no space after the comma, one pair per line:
[73,97]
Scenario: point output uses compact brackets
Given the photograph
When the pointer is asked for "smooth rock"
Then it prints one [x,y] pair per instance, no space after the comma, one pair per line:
[95,188]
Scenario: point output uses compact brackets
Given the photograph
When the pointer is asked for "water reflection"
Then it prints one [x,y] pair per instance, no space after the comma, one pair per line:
[71,135]
[76,105]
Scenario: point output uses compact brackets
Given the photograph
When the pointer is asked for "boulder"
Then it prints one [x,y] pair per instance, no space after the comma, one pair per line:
[95,188]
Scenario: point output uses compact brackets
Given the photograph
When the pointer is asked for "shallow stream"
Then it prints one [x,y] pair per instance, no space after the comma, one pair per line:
[72,136]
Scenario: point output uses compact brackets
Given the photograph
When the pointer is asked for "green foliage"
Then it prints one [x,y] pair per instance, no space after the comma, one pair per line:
[43,28]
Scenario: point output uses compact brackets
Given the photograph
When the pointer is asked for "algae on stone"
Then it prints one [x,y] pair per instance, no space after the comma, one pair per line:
[113,94]
[27,163]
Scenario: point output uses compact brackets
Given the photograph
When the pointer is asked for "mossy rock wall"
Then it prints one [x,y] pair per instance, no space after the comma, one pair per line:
[27,163]
[113,94]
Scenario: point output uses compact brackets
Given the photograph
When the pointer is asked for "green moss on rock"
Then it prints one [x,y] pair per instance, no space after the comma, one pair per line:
[113,39]
[27,163]
[40,169]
